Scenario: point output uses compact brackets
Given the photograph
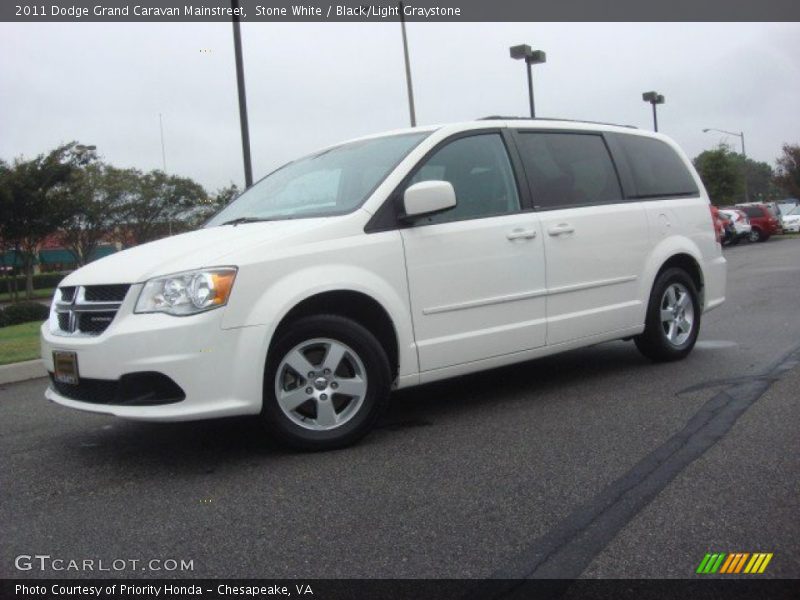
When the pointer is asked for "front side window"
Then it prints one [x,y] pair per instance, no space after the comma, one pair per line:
[656,169]
[479,169]
[568,169]
[332,182]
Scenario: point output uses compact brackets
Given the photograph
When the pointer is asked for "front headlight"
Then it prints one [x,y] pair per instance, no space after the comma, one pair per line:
[187,293]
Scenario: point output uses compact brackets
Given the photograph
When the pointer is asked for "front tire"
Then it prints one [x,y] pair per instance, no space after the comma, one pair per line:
[326,381]
[756,235]
[673,318]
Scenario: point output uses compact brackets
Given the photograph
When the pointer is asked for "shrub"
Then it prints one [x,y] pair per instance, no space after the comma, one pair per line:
[41,281]
[23,312]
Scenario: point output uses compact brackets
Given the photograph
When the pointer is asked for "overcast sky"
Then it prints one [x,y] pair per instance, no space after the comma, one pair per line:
[312,84]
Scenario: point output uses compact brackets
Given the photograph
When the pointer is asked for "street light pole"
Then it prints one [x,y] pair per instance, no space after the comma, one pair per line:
[654,98]
[740,135]
[530,90]
[409,87]
[163,148]
[237,50]
[531,57]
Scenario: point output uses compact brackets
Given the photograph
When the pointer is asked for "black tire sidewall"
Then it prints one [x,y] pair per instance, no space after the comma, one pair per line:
[653,342]
[372,355]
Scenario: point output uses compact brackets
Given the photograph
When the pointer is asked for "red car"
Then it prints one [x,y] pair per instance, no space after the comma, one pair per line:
[719,223]
[763,221]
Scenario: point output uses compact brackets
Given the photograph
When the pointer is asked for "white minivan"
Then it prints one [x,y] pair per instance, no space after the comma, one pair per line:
[392,261]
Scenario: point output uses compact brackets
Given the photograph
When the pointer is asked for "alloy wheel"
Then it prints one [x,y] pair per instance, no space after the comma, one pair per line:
[677,314]
[321,384]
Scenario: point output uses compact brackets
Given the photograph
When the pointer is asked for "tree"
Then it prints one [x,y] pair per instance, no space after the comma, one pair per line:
[722,174]
[154,205]
[760,185]
[97,190]
[788,173]
[35,203]
[213,204]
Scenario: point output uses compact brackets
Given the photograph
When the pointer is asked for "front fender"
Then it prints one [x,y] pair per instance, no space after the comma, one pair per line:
[268,291]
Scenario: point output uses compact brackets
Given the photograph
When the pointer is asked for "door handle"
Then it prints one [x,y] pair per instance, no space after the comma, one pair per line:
[521,234]
[560,229]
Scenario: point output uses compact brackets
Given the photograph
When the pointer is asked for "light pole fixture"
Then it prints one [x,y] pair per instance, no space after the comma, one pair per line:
[531,57]
[654,98]
[740,135]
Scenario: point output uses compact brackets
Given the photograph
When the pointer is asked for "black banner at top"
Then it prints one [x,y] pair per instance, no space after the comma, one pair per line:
[390,10]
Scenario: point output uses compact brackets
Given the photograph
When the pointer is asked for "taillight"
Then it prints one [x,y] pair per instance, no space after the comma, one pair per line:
[714,224]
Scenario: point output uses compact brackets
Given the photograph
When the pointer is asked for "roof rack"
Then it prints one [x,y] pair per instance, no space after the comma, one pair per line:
[503,118]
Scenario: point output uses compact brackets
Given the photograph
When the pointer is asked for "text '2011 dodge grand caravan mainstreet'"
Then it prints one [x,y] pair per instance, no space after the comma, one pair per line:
[391,261]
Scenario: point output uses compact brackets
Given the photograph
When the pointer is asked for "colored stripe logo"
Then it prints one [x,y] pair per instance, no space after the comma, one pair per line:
[734,563]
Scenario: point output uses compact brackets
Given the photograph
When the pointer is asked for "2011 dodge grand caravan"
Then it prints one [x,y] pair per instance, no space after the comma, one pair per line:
[390,261]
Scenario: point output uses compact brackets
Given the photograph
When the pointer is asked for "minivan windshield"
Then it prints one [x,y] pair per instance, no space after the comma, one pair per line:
[332,182]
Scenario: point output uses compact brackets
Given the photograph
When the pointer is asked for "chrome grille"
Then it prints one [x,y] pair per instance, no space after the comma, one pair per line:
[87,310]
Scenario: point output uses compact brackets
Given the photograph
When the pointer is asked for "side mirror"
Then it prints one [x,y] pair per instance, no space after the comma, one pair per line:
[428,197]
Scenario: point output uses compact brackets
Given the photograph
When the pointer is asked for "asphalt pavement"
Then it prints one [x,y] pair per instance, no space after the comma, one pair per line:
[593,463]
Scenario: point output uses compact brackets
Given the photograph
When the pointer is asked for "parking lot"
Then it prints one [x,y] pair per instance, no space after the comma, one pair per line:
[595,463]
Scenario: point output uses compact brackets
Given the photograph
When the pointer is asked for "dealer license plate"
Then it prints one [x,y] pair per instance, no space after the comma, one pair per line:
[66,367]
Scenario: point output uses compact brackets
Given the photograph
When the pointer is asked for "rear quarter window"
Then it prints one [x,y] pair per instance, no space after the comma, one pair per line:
[655,168]
[753,211]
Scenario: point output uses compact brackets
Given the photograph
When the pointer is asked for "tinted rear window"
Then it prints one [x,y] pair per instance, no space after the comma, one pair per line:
[568,169]
[656,169]
[752,211]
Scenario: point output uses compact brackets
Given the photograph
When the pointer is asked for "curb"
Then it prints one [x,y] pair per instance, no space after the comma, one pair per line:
[22,371]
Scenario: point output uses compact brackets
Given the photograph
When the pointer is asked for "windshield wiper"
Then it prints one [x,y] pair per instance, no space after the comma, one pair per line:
[241,220]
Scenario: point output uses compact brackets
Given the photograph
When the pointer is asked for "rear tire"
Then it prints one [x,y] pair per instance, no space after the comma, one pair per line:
[755,235]
[326,381]
[673,318]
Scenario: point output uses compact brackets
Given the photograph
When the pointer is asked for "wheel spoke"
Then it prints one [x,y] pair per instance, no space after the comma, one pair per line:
[683,301]
[326,414]
[354,386]
[292,399]
[671,299]
[300,363]
[673,331]
[684,325]
[667,316]
[334,357]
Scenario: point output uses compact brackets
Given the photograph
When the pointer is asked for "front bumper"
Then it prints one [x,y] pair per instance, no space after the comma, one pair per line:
[219,370]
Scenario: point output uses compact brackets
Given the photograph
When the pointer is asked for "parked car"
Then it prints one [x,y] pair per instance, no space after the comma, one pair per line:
[763,221]
[791,220]
[725,229]
[739,223]
[720,225]
[392,261]
[787,206]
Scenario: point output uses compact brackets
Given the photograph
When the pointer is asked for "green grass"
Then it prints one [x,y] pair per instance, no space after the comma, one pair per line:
[19,342]
[45,293]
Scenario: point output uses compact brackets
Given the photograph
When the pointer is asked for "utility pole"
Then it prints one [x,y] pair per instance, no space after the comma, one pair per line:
[409,86]
[163,149]
[237,50]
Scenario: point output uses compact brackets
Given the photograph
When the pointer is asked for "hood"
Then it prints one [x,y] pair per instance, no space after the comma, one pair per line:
[211,247]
